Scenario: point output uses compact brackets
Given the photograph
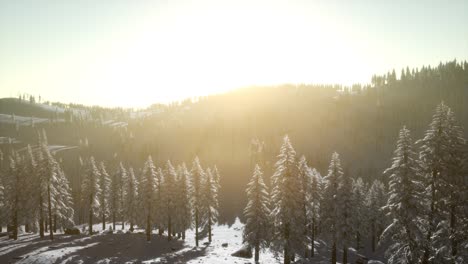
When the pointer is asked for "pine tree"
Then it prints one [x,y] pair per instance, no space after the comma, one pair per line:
[30,168]
[147,192]
[3,205]
[45,178]
[64,211]
[168,197]
[121,189]
[3,214]
[160,217]
[116,195]
[130,201]
[404,204]
[315,204]
[376,199]
[90,191]
[458,193]
[210,202]
[48,169]
[13,192]
[432,153]
[196,196]
[257,213]
[287,212]
[305,178]
[330,196]
[322,185]
[104,186]
[345,211]
[40,181]
[79,199]
[442,153]
[183,206]
[359,215]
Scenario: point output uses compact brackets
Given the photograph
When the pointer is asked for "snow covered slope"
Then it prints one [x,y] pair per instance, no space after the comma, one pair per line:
[123,247]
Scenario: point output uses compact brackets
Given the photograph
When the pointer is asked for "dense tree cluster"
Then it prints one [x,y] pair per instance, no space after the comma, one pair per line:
[421,217]
[165,198]
[428,193]
[35,192]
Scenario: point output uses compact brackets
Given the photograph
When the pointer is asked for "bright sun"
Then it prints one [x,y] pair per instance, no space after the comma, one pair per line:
[193,50]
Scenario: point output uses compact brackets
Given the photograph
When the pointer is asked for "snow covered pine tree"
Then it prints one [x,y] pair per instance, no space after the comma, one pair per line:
[183,206]
[90,191]
[345,203]
[130,200]
[287,212]
[147,191]
[168,197]
[257,213]
[104,187]
[196,195]
[210,202]
[441,158]
[404,205]
[330,205]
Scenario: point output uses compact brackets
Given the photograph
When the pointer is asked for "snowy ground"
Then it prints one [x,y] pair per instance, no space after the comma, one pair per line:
[123,247]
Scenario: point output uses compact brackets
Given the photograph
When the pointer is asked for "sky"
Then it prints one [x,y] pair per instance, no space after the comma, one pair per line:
[136,53]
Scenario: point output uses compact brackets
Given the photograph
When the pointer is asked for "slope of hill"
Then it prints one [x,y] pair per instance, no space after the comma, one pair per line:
[359,122]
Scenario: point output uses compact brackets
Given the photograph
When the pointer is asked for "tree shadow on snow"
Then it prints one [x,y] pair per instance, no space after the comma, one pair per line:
[26,243]
[108,248]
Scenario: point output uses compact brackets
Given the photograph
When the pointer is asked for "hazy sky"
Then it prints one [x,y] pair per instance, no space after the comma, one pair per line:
[134,53]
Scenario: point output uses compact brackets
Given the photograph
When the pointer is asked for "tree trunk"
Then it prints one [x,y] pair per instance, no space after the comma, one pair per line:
[113,219]
[345,254]
[196,227]
[55,223]
[183,235]
[148,228]
[103,222]
[333,253]
[90,222]
[131,226]
[46,226]
[15,224]
[306,228]
[51,233]
[123,224]
[26,228]
[373,235]
[160,230]
[169,228]
[82,216]
[286,257]
[209,226]
[257,251]
[41,218]
[358,241]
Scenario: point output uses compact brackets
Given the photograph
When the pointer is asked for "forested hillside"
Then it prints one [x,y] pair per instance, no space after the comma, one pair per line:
[238,129]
